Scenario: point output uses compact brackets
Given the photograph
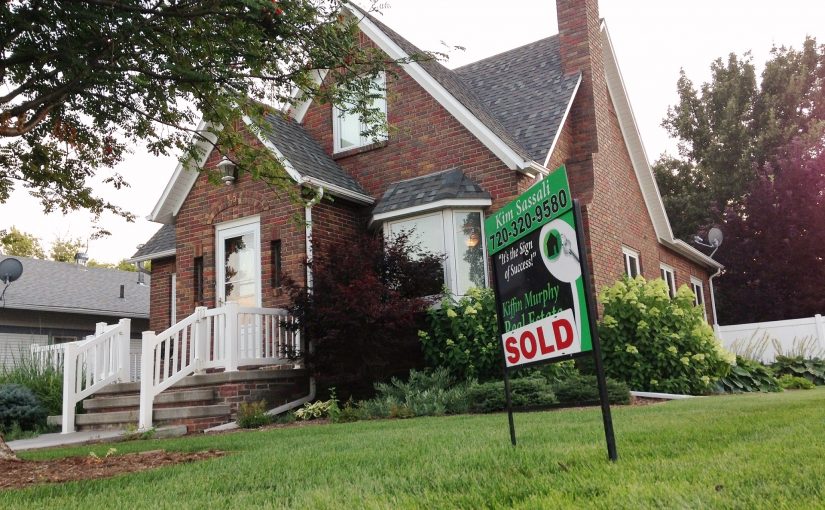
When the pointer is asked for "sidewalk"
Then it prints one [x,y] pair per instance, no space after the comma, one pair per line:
[58,439]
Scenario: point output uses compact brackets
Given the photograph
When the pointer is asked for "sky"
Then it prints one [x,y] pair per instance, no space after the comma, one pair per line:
[653,40]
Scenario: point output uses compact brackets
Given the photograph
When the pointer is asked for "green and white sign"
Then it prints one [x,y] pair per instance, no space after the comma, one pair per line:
[538,271]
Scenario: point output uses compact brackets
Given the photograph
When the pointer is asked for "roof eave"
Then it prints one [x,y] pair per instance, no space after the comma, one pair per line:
[152,256]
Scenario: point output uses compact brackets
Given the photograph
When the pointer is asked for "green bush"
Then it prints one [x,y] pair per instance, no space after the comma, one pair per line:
[811,369]
[528,392]
[463,337]
[423,394]
[655,343]
[44,380]
[19,405]
[748,376]
[790,382]
[252,416]
[584,389]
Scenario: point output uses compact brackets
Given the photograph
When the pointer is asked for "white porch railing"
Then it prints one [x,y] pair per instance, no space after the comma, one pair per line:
[48,355]
[226,338]
[92,364]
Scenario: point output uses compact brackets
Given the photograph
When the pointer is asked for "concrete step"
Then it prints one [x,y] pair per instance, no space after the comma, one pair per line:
[115,418]
[167,397]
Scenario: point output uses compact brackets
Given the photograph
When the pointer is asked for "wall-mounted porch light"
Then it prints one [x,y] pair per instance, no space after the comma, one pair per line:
[227,168]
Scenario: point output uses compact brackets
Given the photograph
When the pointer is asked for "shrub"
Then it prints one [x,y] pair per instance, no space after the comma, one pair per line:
[317,410]
[19,405]
[527,392]
[748,376]
[811,369]
[790,382]
[462,336]
[584,389]
[44,380]
[364,311]
[253,415]
[655,343]
[423,394]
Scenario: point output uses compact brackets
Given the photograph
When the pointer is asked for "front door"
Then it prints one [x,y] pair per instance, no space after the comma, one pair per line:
[238,260]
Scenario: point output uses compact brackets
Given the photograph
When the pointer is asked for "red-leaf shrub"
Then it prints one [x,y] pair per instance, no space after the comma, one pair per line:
[364,310]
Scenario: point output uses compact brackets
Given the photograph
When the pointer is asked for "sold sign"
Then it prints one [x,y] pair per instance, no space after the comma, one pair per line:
[543,339]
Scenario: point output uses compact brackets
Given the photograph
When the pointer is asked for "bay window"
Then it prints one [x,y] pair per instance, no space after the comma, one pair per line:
[455,233]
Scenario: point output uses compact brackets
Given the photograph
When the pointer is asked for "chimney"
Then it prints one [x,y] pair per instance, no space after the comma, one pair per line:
[580,49]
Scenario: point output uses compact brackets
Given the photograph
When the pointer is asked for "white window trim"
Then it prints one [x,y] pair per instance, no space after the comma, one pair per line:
[363,140]
[694,284]
[449,241]
[628,253]
[672,284]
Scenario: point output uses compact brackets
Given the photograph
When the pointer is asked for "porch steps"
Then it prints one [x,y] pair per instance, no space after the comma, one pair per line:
[174,397]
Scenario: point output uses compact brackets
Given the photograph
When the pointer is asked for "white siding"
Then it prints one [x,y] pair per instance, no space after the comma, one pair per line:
[13,346]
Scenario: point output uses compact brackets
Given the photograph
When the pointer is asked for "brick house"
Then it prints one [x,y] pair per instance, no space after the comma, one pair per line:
[461,143]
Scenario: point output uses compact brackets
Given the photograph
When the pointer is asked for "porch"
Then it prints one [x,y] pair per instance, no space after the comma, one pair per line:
[196,372]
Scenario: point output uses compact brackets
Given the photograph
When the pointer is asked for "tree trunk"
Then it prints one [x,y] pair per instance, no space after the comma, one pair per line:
[5,451]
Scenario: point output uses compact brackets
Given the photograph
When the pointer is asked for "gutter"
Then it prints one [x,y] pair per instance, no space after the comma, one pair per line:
[713,300]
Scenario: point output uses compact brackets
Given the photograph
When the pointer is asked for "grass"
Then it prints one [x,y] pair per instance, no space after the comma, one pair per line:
[744,451]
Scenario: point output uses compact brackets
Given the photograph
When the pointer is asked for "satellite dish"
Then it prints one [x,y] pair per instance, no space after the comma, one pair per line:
[715,237]
[10,270]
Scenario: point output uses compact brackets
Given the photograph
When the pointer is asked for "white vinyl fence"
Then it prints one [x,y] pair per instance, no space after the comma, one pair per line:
[766,340]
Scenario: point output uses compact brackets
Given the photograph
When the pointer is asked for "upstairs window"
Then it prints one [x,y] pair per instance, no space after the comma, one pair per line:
[348,127]
[458,235]
[669,276]
[698,294]
[631,262]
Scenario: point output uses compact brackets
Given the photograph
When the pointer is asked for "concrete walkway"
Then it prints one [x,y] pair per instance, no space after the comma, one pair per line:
[58,439]
[87,437]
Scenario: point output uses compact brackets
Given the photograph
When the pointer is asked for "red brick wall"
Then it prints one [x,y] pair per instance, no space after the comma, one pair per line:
[423,138]
[160,293]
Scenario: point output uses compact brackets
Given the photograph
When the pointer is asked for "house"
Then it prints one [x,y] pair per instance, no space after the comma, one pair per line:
[57,302]
[461,143]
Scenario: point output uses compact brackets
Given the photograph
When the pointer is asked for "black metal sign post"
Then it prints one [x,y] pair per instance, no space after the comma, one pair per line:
[594,332]
[507,395]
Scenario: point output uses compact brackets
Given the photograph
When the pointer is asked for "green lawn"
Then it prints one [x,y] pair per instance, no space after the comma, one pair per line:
[750,451]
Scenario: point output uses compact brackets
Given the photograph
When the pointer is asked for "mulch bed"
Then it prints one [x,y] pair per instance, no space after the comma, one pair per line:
[15,474]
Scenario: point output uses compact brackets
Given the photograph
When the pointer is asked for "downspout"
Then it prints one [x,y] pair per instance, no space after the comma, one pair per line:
[713,300]
[311,396]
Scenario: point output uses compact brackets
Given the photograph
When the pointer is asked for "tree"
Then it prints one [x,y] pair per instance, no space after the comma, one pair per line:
[774,242]
[83,79]
[64,250]
[122,265]
[20,244]
[365,308]
[731,127]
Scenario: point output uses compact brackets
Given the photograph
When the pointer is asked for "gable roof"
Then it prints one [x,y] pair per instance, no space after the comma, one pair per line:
[639,159]
[527,91]
[429,191]
[70,288]
[161,244]
[305,155]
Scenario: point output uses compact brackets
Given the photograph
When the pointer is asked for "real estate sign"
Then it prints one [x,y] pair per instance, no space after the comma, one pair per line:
[537,266]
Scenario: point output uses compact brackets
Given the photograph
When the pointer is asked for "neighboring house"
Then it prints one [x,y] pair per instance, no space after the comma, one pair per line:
[57,302]
[461,144]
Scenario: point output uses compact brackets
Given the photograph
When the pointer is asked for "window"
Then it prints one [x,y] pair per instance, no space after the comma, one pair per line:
[63,339]
[275,253]
[347,126]
[698,294]
[669,276]
[631,262]
[457,234]
[198,270]
[173,300]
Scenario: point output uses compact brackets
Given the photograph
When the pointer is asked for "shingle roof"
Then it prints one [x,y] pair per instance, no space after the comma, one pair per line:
[71,288]
[456,87]
[526,90]
[163,241]
[304,153]
[447,185]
